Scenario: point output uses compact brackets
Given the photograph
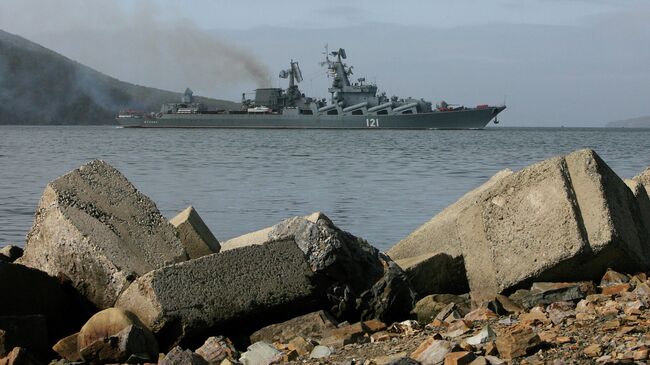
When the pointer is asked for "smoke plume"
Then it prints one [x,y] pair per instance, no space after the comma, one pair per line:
[144,42]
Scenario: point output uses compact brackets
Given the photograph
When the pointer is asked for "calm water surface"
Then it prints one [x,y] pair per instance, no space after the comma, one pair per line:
[378,184]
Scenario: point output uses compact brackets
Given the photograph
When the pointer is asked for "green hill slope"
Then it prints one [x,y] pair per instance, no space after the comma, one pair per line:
[40,86]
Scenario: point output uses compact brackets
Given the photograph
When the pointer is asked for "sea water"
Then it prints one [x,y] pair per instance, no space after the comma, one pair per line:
[377,184]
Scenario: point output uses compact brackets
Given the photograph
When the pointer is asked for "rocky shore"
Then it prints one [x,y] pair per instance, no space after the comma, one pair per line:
[543,265]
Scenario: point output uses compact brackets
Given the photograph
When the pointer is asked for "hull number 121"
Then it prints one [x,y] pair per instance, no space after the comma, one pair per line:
[372,122]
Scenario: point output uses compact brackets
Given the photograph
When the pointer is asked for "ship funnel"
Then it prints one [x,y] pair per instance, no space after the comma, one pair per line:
[342,53]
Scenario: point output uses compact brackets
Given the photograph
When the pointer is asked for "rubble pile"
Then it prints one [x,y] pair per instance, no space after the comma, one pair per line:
[541,266]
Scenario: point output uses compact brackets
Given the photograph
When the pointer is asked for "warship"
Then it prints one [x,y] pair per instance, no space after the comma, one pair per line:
[352,105]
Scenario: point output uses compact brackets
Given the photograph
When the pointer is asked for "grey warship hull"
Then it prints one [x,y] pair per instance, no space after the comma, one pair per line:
[353,105]
[459,119]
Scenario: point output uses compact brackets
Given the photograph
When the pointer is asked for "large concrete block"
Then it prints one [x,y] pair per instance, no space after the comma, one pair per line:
[432,256]
[222,292]
[564,219]
[360,281]
[194,234]
[644,178]
[93,227]
[643,200]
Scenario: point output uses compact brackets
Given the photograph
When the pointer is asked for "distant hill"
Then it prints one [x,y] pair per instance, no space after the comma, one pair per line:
[640,122]
[40,86]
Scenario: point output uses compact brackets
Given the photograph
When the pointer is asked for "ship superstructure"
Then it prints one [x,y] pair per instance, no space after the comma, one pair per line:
[352,105]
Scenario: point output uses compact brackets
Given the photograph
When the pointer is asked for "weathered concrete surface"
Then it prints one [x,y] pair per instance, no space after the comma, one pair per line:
[194,234]
[432,255]
[567,218]
[360,281]
[644,178]
[239,287]
[640,192]
[93,227]
[25,291]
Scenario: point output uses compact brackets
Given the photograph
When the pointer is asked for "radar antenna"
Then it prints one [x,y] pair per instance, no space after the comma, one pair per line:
[293,73]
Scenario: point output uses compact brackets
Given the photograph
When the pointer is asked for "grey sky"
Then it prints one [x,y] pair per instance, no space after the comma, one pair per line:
[560,62]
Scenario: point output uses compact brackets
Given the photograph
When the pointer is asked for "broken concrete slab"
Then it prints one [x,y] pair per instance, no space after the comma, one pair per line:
[95,228]
[195,235]
[640,192]
[237,288]
[566,218]
[432,255]
[644,178]
[360,281]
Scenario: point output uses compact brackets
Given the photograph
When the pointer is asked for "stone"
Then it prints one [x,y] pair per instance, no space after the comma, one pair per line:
[360,282]
[427,308]
[260,353]
[67,348]
[27,292]
[457,328]
[486,335]
[593,350]
[480,314]
[459,358]
[29,332]
[516,342]
[558,312]
[217,349]
[127,346]
[321,352]
[301,346]
[237,288]
[567,218]
[432,255]
[616,289]
[10,253]
[400,358]
[114,335]
[178,356]
[432,352]
[547,293]
[19,356]
[612,277]
[94,228]
[534,316]
[493,360]
[195,235]
[502,305]
[311,325]
[351,333]
[480,360]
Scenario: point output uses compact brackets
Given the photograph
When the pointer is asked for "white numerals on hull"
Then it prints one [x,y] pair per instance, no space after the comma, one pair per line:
[372,122]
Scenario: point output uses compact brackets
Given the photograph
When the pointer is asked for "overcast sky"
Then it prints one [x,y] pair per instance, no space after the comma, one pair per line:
[558,62]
